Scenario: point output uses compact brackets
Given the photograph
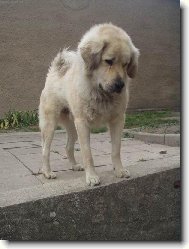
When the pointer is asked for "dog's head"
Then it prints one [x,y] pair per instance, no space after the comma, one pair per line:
[109,56]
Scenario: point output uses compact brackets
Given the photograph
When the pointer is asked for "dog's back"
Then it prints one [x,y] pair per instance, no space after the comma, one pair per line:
[62,62]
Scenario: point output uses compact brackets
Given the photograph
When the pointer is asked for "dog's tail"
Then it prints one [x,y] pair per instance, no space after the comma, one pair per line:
[62,62]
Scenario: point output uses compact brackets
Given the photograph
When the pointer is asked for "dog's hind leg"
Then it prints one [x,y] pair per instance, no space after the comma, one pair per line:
[47,126]
[71,139]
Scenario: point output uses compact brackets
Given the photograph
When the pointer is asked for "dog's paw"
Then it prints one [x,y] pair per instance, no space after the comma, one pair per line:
[77,167]
[122,173]
[92,179]
[48,175]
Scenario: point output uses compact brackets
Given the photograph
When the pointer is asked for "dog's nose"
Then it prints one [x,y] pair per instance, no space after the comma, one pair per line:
[119,84]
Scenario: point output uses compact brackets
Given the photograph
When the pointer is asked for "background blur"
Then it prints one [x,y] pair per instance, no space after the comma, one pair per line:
[33,31]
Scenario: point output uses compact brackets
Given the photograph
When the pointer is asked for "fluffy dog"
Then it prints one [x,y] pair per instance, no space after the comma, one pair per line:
[86,88]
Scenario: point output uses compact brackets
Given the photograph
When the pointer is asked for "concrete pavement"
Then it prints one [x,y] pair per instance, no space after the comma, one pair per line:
[144,207]
[20,159]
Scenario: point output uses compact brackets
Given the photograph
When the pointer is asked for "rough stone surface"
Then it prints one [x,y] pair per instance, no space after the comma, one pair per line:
[32,32]
[145,207]
[172,139]
[150,138]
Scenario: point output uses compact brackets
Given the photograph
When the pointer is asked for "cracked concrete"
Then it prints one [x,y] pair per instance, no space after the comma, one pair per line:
[20,157]
[144,207]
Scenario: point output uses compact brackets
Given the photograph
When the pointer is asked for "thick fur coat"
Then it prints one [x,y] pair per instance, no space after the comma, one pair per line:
[88,88]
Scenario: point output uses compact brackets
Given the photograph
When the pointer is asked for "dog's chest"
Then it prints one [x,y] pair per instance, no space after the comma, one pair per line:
[101,107]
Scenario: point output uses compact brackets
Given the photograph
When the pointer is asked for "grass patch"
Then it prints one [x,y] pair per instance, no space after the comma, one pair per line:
[19,119]
[28,121]
[99,130]
[149,119]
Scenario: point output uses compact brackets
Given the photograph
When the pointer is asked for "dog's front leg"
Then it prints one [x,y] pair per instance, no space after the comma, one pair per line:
[84,140]
[116,128]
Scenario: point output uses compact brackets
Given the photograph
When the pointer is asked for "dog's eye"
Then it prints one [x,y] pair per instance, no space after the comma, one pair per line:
[109,62]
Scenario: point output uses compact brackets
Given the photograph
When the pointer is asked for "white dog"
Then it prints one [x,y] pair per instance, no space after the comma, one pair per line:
[87,88]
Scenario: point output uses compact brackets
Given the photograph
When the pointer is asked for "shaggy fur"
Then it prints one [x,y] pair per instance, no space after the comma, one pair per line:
[86,88]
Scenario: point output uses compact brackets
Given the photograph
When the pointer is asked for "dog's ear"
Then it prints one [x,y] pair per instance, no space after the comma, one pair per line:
[91,53]
[132,67]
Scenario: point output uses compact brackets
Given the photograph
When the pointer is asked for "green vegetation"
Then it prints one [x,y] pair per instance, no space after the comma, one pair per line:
[28,121]
[128,135]
[149,119]
[19,119]
[99,130]
[145,119]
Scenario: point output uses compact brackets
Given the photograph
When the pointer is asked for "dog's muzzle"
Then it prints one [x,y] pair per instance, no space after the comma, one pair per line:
[115,87]
[118,86]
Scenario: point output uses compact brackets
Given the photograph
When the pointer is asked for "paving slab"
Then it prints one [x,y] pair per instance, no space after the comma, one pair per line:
[20,157]
[144,207]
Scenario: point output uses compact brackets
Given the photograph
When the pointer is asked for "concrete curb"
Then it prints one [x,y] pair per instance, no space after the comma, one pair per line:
[144,208]
[166,139]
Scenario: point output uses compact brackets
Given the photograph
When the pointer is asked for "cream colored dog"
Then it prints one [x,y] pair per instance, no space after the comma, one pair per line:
[88,88]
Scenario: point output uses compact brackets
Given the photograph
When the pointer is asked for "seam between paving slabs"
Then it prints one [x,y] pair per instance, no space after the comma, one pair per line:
[25,166]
